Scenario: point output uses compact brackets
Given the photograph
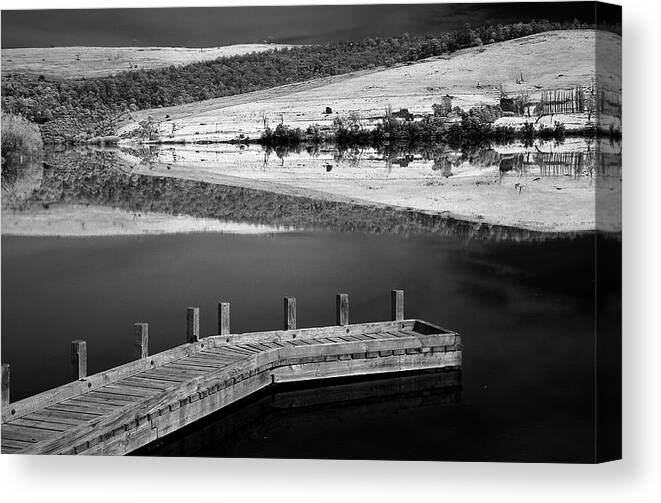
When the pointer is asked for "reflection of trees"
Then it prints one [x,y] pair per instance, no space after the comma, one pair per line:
[348,155]
[94,177]
[19,182]
[589,160]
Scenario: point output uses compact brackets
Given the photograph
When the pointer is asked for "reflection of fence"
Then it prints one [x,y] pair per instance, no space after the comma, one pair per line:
[560,164]
[574,164]
[562,101]
[610,103]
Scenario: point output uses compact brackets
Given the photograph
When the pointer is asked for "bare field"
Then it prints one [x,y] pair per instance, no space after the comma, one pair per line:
[548,60]
[77,62]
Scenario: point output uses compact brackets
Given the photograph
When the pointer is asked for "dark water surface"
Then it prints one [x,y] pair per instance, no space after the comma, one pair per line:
[526,312]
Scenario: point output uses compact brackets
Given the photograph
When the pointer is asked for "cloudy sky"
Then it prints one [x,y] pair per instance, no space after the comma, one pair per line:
[206,27]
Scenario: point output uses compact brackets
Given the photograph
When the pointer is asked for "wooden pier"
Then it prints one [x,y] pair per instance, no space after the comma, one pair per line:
[127,407]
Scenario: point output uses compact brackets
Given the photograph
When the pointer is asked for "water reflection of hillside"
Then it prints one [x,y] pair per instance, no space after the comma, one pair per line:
[102,177]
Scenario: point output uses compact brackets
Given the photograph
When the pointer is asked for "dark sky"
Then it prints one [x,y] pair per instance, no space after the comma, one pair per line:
[206,27]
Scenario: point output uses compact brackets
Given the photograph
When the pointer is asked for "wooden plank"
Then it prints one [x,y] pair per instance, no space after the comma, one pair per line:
[28,433]
[71,411]
[309,333]
[190,367]
[350,347]
[37,423]
[90,402]
[49,419]
[114,396]
[5,384]
[175,369]
[210,363]
[245,348]
[192,324]
[11,444]
[397,305]
[342,309]
[153,383]
[343,368]
[87,405]
[297,342]
[289,313]
[273,345]
[141,340]
[236,351]
[135,389]
[221,352]
[209,357]
[173,375]
[78,360]
[259,347]
[172,379]
[223,318]
[6,449]
[64,413]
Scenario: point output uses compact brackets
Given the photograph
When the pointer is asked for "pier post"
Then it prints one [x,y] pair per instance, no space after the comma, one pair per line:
[5,384]
[78,360]
[342,308]
[223,318]
[192,324]
[397,305]
[141,337]
[290,313]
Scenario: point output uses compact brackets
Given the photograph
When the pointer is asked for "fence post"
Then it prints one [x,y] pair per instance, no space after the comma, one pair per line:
[78,359]
[141,338]
[290,313]
[5,384]
[224,318]
[192,324]
[342,308]
[397,305]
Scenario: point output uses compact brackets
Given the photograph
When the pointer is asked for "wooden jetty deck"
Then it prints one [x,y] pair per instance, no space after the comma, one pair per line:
[127,407]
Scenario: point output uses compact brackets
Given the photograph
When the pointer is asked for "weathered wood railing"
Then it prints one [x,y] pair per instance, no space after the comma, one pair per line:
[107,409]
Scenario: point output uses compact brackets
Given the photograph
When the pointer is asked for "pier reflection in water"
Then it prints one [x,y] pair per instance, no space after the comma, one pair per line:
[264,426]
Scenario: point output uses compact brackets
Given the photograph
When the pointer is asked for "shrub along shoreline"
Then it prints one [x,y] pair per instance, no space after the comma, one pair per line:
[468,130]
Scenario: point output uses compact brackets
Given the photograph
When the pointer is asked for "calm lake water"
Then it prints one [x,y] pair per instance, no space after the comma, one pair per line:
[526,311]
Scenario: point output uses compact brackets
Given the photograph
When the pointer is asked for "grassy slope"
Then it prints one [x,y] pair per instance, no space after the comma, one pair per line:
[61,62]
[548,60]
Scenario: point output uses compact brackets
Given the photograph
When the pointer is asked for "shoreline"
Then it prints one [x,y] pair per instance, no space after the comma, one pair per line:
[72,220]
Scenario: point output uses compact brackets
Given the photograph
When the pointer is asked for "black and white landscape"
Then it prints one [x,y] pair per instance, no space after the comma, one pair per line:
[162,165]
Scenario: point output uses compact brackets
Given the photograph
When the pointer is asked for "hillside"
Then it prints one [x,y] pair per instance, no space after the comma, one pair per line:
[76,62]
[550,60]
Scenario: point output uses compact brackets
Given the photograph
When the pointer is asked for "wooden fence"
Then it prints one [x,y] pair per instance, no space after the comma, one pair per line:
[562,101]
